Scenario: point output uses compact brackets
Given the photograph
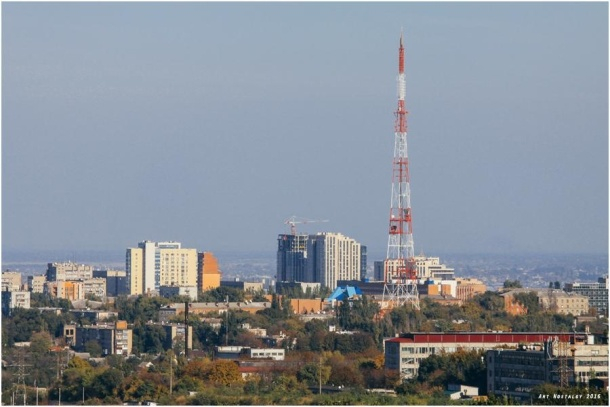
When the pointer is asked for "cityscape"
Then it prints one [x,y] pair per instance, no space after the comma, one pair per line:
[302,310]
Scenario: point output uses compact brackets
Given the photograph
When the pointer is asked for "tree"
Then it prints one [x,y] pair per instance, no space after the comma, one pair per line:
[224,372]
[512,284]
[314,373]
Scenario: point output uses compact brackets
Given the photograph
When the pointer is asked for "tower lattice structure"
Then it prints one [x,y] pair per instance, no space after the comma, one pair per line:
[399,267]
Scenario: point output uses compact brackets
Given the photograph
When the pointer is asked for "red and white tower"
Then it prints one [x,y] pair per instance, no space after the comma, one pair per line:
[399,266]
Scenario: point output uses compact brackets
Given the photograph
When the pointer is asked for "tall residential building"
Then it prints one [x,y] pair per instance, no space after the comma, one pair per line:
[597,293]
[332,257]
[208,272]
[153,264]
[291,257]
[68,271]
[323,258]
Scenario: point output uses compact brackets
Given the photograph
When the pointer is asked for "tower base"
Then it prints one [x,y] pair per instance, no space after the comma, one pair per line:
[401,293]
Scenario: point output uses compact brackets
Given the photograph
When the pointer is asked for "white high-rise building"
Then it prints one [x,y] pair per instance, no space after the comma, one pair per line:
[332,257]
[155,264]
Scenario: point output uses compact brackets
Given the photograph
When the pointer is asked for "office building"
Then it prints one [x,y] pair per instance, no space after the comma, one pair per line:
[514,373]
[597,293]
[68,271]
[404,353]
[153,264]
[427,268]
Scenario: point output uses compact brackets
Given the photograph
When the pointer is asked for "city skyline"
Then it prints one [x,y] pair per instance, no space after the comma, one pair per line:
[211,124]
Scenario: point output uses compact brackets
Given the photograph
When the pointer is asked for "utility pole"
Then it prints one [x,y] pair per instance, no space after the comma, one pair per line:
[320,375]
[227,323]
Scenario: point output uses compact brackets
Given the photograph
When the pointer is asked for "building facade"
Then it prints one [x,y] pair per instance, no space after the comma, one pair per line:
[597,293]
[116,281]
[11,281]
[153,264]
[68,271]
[514,373]
[36,284]
[403,354]
[208,271]
[115,339]
[292,257]
[14,299]
[332,257]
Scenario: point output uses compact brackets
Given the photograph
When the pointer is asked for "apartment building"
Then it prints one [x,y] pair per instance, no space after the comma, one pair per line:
[36,284]
[14,299]
[114,338]
[155,264]
[332,257]
[68,271]
[11,281]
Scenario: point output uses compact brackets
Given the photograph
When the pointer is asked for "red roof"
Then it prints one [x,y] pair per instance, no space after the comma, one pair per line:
[481,337]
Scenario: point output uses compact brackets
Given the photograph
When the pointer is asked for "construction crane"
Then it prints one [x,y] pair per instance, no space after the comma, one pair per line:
[293,220]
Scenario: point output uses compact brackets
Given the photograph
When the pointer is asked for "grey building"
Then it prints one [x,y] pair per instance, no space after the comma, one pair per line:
[596,292]
[116,281]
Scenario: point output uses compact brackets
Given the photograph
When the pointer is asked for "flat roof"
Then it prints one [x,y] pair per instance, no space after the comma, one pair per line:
[482,337]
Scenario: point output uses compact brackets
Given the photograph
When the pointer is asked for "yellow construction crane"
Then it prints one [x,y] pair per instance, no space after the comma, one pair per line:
[293,220]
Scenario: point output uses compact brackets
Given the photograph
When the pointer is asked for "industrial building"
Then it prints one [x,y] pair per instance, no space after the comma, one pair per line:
[564,362]
[404,353]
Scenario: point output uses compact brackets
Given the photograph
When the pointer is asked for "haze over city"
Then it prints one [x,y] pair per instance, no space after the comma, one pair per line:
[212,123]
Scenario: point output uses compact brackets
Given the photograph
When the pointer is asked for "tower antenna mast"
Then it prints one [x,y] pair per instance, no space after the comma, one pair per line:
[400,274]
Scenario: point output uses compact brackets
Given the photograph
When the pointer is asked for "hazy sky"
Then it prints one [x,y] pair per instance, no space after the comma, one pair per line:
[212,123]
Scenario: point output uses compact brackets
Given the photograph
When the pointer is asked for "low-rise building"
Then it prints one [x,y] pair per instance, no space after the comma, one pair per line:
[169,291]
[469,287]
[404,353]
[597,293]
[554,300]
[573,360]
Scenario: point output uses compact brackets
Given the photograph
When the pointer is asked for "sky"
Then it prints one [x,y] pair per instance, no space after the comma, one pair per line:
[213,123]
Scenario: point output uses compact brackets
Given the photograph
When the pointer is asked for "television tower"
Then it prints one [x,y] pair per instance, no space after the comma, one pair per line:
[400,273]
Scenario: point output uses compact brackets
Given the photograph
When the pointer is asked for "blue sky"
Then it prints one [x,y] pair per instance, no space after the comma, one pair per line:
[212,123]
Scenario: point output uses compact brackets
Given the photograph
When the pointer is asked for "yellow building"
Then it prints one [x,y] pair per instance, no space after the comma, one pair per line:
[68,290]
[155,264]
